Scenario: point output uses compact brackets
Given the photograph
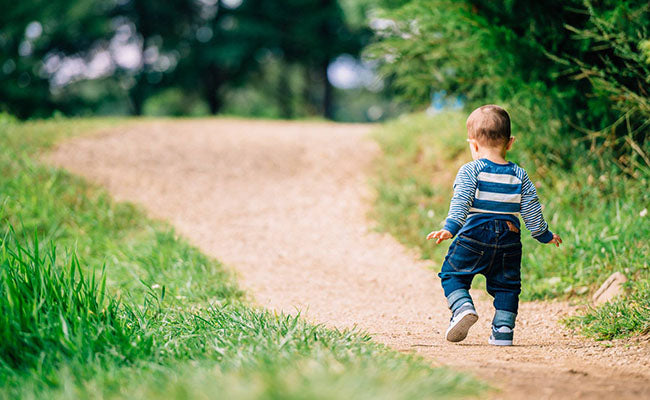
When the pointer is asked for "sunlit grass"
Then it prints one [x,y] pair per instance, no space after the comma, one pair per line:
[599,215]
[99,301]
[49,313]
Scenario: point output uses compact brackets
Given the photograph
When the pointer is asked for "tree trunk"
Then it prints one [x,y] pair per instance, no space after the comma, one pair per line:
[137,95]
[328,93]
[284,94]
[327,53]
[212,82]
[214,101]
[136,104]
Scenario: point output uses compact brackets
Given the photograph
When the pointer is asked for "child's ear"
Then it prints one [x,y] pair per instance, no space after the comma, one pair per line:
[475,146]
[510,143]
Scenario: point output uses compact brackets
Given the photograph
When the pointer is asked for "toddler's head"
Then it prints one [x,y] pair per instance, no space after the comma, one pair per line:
[488,127]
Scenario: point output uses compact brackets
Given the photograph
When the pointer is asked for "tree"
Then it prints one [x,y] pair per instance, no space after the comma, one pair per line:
[35,35]
[550,61]
[222,51]
[310,33]
[164,31]
[203,47]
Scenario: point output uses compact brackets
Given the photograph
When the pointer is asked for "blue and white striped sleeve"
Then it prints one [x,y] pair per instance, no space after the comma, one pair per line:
[464,191]
[531,211]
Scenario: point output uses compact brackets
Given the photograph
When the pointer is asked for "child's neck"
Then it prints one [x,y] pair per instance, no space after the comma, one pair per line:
[497,156]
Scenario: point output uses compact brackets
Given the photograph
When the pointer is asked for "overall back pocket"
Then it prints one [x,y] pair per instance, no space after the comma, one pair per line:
[464,257]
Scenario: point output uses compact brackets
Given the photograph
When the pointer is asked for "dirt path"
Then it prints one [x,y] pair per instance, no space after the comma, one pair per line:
[285,204]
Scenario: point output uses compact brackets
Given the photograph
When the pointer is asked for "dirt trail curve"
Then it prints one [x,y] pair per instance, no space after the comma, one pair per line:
[285,204]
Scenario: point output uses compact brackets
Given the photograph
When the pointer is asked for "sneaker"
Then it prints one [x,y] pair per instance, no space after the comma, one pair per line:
[501,336]
[464,317]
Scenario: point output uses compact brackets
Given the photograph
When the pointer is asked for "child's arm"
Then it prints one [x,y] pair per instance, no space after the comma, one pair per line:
[464,190]
[531,213]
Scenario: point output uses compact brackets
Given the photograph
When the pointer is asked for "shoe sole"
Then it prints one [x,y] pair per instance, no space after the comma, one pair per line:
[458,332]
[499,342]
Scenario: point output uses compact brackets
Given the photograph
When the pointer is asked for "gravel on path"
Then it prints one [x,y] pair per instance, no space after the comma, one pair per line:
[285,205]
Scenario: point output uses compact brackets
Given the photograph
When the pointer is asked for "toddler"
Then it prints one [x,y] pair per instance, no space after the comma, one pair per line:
[489,193]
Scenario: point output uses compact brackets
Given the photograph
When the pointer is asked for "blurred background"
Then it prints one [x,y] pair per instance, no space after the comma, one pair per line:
[345,60]
[258,58]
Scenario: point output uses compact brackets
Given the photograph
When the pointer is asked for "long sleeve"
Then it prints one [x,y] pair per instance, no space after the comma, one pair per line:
[531,211]
[464,191]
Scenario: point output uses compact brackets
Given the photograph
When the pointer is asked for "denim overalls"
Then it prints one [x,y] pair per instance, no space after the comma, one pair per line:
[492,249]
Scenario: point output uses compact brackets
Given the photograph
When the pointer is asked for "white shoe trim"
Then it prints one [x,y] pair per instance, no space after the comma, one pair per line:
[500,342]
[459,326]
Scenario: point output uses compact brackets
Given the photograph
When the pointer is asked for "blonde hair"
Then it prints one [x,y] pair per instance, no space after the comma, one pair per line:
[490,125]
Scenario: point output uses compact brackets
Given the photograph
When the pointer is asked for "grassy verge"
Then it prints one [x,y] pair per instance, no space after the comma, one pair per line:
[599,215]
[162,320]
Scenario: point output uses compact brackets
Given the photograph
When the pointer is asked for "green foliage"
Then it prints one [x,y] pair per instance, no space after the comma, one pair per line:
[619,75]
[83,57]
[574,74]
[61,26]
[598,213]
[161,319]
[174,102]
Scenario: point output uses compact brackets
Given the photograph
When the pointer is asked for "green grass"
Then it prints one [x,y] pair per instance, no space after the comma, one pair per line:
[97,300]
[596,209]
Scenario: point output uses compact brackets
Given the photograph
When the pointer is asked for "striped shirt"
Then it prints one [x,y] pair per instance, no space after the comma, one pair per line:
[485,191]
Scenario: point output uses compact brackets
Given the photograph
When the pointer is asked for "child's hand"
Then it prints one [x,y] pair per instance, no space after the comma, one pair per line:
[556,240]
[440,235]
